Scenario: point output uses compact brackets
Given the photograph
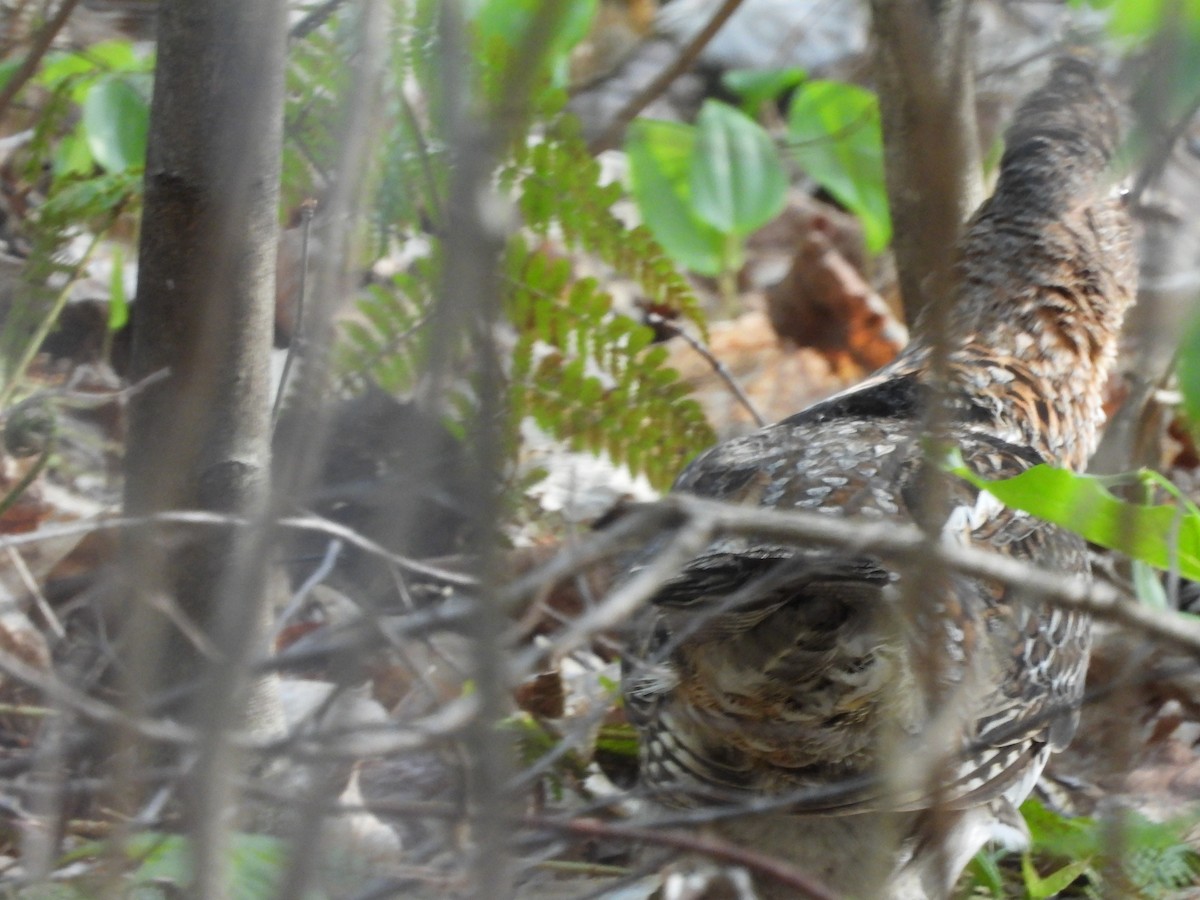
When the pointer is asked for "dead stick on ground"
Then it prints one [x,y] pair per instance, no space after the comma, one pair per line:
[657,321]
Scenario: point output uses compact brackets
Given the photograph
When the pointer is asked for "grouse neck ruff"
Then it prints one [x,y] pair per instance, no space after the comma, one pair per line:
[1044,274]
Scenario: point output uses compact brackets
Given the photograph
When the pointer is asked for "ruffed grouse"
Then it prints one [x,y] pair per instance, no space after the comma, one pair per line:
[815,678]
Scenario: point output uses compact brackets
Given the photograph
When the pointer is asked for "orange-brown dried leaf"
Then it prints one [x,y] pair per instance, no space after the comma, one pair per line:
[543,695]
[825,303]
[1184,444]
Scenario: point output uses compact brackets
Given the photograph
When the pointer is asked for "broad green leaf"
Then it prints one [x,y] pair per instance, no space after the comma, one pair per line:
[737,181]
[758,86]
[61,66]
[1163,535]
[82,69]
[1157,854]
[511,20]
[1137,19]
[660,155]
[116,56]
[1141,20]
[116,119]
[985,872]
[1054,833]
[1055,883]
[256,862]
[620,740]
[163,857]
[72,156]
[89,197]
[838,140]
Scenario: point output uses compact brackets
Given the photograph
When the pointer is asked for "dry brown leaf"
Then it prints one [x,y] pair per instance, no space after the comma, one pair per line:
[542,695]
[825,303]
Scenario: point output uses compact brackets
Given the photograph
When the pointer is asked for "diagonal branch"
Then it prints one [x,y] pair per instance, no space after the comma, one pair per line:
[41,43]
[612,134]
[700,521]
[779,872]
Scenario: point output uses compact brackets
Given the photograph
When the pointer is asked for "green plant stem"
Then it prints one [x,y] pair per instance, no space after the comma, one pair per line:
[47,323]
[314,20]
[583,869]
[727,288]
[27,479]
[28,712]
[116,297]
[731,264]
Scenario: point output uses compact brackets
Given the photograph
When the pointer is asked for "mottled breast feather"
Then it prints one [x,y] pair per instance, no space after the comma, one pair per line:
[809,675]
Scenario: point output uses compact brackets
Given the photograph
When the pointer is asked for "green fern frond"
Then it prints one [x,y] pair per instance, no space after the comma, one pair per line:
[583,372]
[316,85]
[1159,861]
[591,377]
[562,187]
[380,343]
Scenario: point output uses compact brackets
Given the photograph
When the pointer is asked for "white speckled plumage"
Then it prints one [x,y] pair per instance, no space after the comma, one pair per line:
[797,672]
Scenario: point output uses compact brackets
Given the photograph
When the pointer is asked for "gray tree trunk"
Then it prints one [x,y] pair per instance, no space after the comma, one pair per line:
[199,438]
[931,153]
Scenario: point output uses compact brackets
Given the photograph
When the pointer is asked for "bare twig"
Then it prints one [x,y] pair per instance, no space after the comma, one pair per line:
[643,521]
[1160,154]
[202,517]
[34,343]
[700,518]
[660,322]
[476,227]
[62,694]
[688,541]
[41,43]
[314,20]
[781,873]
[1101,600]
[447,721]
[31,474]
[611,135]
[704,520]
[332,551]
